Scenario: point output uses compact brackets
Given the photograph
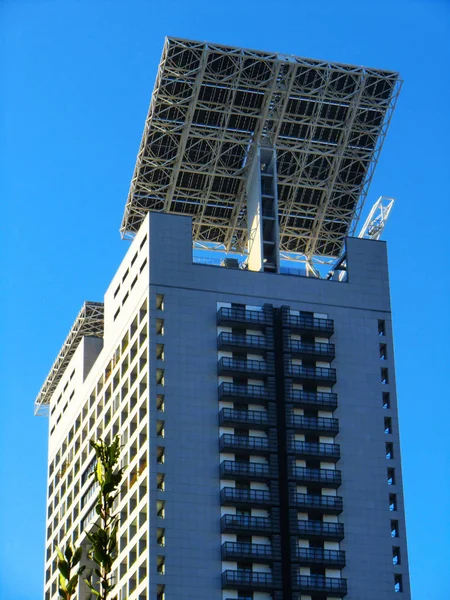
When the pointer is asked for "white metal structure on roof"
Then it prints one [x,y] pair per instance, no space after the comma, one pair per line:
[89,322]
[376,219]
[213,105]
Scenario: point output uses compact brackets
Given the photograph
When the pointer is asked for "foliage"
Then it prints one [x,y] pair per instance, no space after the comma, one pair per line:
[68,579]
[103,539]
[103,548]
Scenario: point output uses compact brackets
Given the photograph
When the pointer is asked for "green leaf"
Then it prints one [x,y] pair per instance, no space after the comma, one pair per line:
[68,553]
[59,553]
[77,556]
[63,568]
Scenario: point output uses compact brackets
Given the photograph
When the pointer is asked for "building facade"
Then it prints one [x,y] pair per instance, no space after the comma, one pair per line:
[257,409]
[259,422]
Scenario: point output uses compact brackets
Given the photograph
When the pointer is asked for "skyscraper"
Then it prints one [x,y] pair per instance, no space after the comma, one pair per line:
[254,393]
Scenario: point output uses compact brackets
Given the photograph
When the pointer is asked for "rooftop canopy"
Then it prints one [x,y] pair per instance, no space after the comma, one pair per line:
[213,105]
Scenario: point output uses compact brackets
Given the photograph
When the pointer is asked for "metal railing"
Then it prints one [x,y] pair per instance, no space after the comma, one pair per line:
[317,349]
[240,340]
[307,323]
[316,399]
[325,476]
[242,315]
[321,450]
[311,373]
[324,424]
[246,417]
[246,550]
[238,365]
[231,468]
[314,556]
[320,529]
[246,442]
[249,497]
[319,583]
[316,501]
[245,523]
[234,390]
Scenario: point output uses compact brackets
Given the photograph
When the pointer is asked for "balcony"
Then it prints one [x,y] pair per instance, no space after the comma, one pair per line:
[328,504]
[331,586]
[319,556]
[261,553]
[304,324]
[320,400]
[230,469]
[318,530]
[238,366]
[238,341]
[247,319]
[230,496]
[320,375]
[317,351]
[247,444]
[233,391]
[328,452]
[247,524]
[322,477]
[315,425]
[255,419]
[246,579]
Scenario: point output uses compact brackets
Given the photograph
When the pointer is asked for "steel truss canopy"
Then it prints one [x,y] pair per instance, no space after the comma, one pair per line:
[213,105]
[89,322]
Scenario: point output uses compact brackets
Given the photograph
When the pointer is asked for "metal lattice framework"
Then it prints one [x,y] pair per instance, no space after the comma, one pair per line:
[213,105]
[89,322]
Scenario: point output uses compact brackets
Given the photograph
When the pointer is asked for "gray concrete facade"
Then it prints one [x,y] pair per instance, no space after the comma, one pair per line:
[191,293]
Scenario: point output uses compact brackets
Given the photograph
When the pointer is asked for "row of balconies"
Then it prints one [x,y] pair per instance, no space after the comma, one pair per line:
[262,419]
[239,341]
[265,393]
[308,584]
[230,469]
[260,319]
[258,446]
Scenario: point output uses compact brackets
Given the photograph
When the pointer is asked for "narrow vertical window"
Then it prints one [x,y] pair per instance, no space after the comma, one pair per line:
[381,327]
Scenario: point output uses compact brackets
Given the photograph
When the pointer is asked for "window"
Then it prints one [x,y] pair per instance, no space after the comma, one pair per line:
[391,476]
[398,583]
[161,564]
[381,327]
[383,352]
[396,555]
[160,326]
[394,529]
[160,455]
[387,425]
[161,536]
[160,428]
[384,376]
[160,402]
[160,592]
[386,400]
[160,481]
[160,301]
[160,351]
[389,450]
[161,509]
[392,502]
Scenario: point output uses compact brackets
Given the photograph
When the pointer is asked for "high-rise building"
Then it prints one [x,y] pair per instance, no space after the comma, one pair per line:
[254,393]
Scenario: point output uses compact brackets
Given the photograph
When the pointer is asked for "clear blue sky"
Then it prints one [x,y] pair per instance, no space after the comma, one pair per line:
[75,84]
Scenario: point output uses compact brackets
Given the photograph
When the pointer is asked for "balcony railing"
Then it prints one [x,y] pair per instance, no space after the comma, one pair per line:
[317,374]
[328,504]
[238,366]
[243,578]
[247,551]
[320,584]
[250,444]
[237,497]
[260,419]
[315,351]
[312,399]
[320,530]
[306,324]
[237,341]
[249,319]
[230,469]
[319,556]
[331,452]
[246,524]
[323,477]
[232,391]
[319,425]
